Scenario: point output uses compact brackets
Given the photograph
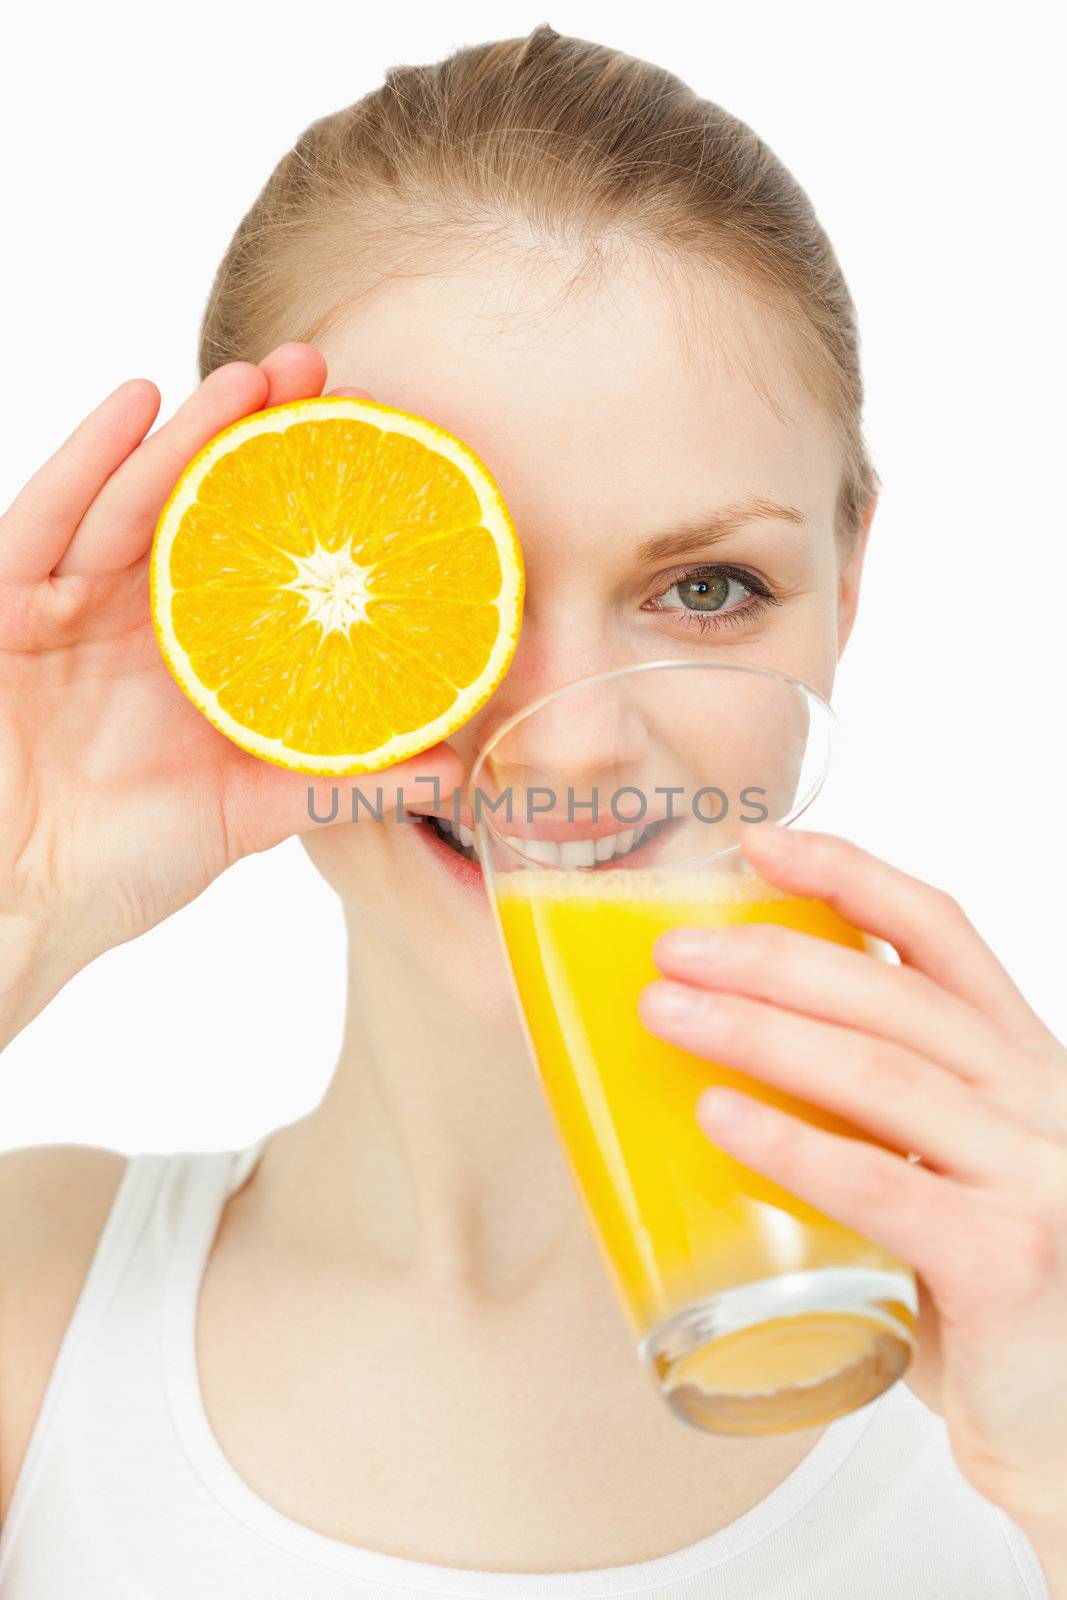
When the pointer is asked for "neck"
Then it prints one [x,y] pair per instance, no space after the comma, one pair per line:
[432,1152]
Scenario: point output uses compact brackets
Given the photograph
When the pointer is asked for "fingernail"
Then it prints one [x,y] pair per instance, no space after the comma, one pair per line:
[690,944]
[774,838]
[720,1111]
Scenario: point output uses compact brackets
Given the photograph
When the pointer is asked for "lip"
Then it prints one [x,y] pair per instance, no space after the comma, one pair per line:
[468,874]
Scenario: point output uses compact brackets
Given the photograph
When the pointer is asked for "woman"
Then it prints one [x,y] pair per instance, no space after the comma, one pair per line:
[378,1351]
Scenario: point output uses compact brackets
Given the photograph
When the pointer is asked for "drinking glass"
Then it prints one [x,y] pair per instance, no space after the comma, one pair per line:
[605,812]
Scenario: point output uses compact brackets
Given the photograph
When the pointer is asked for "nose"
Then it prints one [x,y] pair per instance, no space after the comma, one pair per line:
[561,641]
[571,743]
[578,737]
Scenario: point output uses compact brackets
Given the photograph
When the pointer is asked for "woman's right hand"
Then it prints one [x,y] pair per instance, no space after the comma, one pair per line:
[119,802]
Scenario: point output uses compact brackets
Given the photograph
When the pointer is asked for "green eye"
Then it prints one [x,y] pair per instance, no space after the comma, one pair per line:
[703,594]
[714,596]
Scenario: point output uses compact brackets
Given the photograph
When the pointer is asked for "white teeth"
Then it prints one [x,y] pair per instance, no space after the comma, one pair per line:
[577,853]
[463,837]
[550,853]
[543,850]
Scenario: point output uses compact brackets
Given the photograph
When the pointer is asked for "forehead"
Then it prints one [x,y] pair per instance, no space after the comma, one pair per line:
[637,389]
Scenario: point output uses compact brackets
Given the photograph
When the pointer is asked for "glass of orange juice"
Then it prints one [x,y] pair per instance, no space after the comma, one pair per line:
[607,811]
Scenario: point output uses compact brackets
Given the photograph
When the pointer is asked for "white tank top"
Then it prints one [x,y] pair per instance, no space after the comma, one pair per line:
[125,1493]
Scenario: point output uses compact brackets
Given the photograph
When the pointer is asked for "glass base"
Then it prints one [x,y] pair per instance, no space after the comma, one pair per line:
[787,1352]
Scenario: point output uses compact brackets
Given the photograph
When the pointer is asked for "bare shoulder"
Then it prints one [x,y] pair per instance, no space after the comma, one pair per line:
[54,1201]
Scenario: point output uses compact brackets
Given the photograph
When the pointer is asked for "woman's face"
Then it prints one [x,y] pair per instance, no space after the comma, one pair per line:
[607,419]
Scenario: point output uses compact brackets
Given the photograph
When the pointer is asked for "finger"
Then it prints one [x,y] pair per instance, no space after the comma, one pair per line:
[118,527]
[877,1086]
[923,1219]
[364,394]
[923,1376]
[295,370]
[42,519]
[928,928]
[823,979]
[264,804]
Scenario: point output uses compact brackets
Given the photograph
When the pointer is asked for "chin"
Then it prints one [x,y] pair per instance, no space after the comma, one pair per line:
[426,902]
[487,995]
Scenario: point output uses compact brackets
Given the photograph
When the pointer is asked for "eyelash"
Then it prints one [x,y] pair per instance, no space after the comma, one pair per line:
[760,597]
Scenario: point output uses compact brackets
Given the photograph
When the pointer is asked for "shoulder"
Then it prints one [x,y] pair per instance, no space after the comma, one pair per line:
[54,1201]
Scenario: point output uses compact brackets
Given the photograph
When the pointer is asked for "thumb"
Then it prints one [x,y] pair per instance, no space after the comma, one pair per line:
[264,804]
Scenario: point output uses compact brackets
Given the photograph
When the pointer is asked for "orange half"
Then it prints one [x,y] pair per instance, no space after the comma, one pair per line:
[336,584]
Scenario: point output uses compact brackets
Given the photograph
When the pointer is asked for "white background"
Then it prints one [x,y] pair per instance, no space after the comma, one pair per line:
[929,142]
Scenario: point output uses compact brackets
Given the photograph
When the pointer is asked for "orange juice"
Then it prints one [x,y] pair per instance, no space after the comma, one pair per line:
[680,1222]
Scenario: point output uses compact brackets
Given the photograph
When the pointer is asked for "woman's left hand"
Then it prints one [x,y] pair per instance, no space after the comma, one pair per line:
[941,1056]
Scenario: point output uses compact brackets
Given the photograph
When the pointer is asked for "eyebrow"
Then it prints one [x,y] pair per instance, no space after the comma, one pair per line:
[709,528]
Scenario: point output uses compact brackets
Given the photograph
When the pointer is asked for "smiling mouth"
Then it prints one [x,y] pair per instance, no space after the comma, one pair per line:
[549,853]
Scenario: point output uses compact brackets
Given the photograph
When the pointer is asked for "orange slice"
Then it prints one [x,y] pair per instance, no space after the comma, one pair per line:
[336,584]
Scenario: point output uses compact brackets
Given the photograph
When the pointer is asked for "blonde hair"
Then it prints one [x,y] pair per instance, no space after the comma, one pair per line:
[580,149]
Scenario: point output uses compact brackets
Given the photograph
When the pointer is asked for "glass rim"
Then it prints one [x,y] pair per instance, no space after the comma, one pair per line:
[633,667]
